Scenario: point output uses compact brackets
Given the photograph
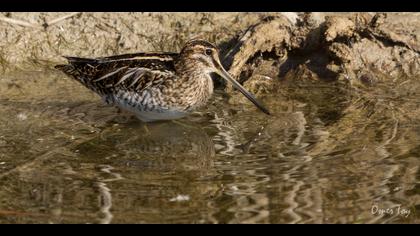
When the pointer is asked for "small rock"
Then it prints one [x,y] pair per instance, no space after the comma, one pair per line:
[180,198]
[22,116]
[368,79]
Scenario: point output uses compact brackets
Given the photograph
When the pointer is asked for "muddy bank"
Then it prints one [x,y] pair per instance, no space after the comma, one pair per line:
[361,48]
[33,40]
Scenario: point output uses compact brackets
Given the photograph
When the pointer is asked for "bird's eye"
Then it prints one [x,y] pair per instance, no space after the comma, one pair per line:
[208,52]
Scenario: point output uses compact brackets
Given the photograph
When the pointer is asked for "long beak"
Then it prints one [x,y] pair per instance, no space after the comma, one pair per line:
[225,75]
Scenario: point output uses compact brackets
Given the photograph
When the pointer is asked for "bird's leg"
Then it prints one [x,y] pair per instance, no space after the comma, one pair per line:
[146,129]
[183,125]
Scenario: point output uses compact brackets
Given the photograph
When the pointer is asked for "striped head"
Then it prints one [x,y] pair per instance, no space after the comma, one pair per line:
[202,55]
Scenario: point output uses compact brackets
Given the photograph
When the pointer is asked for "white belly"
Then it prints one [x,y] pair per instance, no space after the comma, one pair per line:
[150,116]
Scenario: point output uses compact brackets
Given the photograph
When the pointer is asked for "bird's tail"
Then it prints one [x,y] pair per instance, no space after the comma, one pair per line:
[75,71]
[68,69]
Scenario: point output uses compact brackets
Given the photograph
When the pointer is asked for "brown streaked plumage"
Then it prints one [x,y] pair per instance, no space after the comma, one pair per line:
[155,86]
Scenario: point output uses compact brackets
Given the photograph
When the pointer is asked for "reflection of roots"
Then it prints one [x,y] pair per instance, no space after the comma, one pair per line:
[381,149]
[300,199]
[224,135]
[105,203]
[105,195]
[301,127]
[252,209]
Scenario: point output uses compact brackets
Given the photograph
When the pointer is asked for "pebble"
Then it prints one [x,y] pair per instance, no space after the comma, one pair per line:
[180,198]
[22,116]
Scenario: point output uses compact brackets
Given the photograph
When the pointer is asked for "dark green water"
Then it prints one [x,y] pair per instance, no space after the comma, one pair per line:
[330,153]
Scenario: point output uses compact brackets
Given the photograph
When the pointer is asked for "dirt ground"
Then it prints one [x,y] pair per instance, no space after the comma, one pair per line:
[361,47]
[102,34]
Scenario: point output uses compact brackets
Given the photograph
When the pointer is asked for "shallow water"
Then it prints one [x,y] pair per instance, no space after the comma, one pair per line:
[330,153]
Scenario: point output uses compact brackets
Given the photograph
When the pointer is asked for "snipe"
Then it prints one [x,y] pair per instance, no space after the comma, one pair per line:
[155,86]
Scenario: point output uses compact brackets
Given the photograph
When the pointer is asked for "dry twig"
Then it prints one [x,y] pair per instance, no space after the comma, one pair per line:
[19,22]
[37,26]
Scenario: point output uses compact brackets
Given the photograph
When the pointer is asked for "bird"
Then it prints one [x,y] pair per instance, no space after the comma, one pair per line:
[155,86]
